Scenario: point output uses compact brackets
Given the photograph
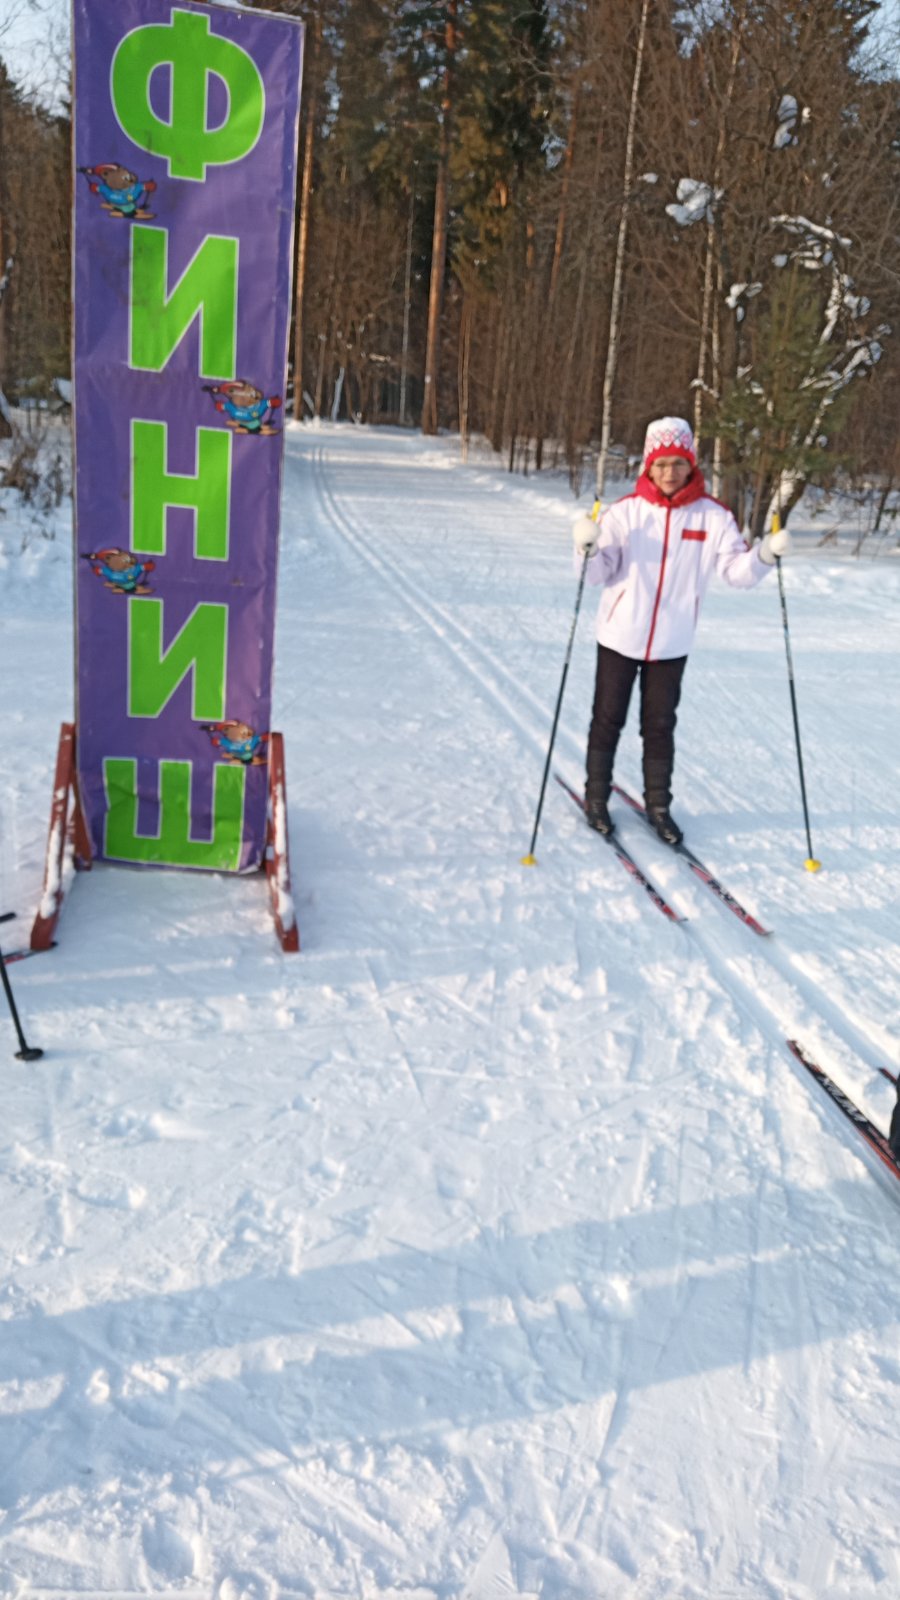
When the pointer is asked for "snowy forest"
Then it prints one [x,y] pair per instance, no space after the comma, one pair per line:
[541,223]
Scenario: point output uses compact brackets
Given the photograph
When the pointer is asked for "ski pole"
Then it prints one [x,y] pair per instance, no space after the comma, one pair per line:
[811,864]
[25,1052]
[531,860]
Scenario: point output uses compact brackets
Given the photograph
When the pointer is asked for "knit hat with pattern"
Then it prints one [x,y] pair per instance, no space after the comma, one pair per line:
[669,436]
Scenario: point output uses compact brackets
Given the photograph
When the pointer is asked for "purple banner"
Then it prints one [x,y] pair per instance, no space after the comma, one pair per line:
[185,122]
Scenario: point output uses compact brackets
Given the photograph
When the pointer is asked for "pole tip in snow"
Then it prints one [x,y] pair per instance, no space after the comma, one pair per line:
[812,865]
[529,861]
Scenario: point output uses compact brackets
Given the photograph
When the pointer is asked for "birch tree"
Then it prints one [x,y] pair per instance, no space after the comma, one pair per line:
[430,411]
[615,306]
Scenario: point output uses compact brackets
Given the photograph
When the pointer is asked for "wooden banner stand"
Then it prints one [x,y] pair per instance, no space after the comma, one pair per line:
[69,845]
[278,865]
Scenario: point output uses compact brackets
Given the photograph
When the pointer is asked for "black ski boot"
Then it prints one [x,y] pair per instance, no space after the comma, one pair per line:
[598,817]
[596,791]
[658,798]
[662,820]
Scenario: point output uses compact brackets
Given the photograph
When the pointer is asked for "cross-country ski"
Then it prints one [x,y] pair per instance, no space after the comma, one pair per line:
[698,868]
[628,861]
[872,1136]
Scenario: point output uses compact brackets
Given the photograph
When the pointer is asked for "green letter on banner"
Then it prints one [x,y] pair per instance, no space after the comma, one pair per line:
[207,287]
[173,845]
[153,489]
[199,647]
[191,55]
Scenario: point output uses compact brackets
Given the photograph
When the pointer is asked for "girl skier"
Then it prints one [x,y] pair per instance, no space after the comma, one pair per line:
[654,553]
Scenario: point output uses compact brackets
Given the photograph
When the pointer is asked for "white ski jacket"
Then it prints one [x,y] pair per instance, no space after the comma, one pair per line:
[655,557]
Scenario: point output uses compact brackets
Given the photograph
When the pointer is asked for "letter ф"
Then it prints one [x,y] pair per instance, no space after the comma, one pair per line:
[192,54]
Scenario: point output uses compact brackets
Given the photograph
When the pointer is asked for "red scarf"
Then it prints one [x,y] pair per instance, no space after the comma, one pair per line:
[694,489]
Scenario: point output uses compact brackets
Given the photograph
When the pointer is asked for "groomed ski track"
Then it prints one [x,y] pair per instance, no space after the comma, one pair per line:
[798,1001]
[493,1246]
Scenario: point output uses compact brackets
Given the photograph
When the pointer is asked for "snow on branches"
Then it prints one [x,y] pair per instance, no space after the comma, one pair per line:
[738,293]
[817,249]
[851,350]
[788,114]
[807,340]
[817,241]
[696,202]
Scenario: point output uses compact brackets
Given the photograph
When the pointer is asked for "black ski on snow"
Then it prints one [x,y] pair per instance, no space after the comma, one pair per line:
[697,867]
[875,1140]
[894,1134]
[627,860]
[9,956]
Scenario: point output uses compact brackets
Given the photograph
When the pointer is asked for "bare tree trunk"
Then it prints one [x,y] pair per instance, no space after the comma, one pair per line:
[709,324]
[529,386]
[576,334]
[495,428]
[439,236]
[549,321]
[700,382]
[562,214]
[615,310]
[7,265]
[407,298]
[717,472]
[465,350]
[6,271]
[324,351]
[509,427]
[885,495]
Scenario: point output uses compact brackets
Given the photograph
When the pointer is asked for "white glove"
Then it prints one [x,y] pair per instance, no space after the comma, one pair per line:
[775,544]
[585,533]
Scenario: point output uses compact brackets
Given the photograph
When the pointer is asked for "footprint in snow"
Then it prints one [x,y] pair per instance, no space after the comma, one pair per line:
[167,1552]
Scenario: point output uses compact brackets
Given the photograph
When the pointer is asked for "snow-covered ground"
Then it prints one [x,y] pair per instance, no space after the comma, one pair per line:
[494,1245]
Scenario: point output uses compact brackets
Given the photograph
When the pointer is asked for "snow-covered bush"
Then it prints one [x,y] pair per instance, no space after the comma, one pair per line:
[35,479]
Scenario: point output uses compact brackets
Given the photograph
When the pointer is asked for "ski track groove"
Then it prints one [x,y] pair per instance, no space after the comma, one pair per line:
[774,1023]
[456,640]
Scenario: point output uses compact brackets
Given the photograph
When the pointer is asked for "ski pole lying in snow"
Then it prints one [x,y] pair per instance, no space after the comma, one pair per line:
[811,864]
[25,1052]
[531,860]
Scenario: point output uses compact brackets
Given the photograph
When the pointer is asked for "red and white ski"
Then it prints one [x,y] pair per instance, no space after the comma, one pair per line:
[698,868]
[876,1140]
[627,860]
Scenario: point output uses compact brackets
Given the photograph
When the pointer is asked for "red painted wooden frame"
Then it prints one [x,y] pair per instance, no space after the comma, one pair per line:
[278,866]
[68,843]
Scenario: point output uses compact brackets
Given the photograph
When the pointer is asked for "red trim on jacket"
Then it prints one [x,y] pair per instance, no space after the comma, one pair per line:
[662,573]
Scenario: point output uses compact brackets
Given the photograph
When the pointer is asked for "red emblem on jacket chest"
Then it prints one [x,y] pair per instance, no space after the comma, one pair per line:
[699,534]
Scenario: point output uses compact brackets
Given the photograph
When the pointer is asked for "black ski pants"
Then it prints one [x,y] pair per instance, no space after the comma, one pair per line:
[660,692]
